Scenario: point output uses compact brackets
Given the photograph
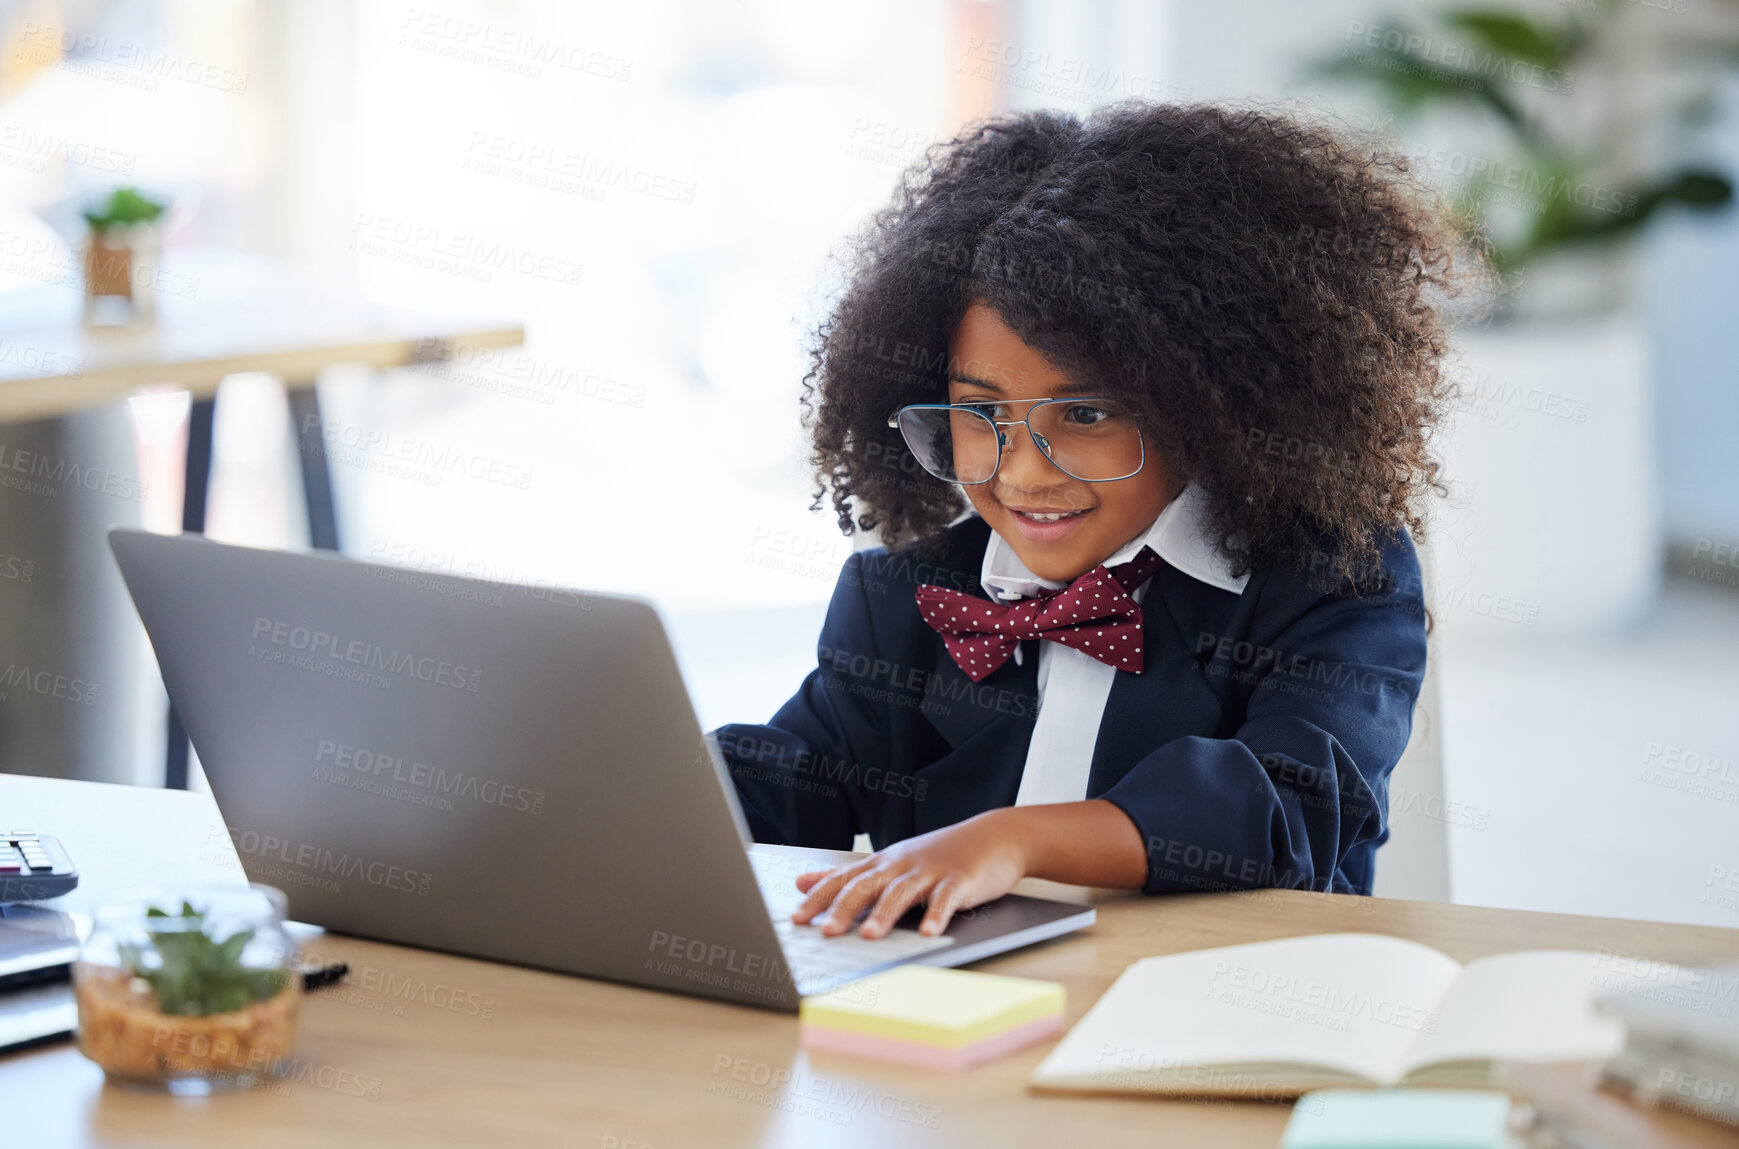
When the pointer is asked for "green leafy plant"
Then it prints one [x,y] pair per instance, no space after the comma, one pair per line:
[1510,70]
[124,208]
[193,973]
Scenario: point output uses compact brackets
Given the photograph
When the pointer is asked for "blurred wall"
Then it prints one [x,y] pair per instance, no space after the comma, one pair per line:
[1692,291]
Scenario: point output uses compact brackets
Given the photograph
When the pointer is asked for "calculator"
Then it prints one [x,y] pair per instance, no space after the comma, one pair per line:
[33,867]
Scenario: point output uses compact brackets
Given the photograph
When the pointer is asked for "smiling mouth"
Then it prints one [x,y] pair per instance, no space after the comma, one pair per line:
[1047,516]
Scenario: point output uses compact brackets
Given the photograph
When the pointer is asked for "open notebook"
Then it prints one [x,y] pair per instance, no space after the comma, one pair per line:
[1278,1018]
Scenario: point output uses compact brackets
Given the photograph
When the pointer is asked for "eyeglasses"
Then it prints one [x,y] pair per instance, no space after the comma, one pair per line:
[1093,439]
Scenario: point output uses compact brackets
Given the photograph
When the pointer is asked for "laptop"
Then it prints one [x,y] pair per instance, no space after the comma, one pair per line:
[502,771]
[37,948]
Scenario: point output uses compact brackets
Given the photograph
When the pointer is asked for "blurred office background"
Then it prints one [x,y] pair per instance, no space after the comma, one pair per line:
[668,181]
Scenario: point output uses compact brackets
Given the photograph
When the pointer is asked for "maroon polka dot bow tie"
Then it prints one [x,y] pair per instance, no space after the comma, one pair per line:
[1094,615]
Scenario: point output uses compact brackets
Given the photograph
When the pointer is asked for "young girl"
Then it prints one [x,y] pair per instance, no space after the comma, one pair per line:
[1140,406]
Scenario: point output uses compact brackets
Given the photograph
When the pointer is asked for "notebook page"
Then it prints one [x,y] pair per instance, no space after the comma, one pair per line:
[1354,1003]
[1532,1006]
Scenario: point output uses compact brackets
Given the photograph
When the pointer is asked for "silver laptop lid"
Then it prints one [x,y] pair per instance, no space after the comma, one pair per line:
[462,765]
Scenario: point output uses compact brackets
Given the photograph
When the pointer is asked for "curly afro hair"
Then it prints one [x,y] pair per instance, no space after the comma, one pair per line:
[1268,297]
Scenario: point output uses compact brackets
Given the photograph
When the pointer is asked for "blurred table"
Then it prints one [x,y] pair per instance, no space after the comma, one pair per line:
[219,313]
[422,1048]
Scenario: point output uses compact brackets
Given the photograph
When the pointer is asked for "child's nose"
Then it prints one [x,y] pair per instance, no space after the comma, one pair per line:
[1025,468]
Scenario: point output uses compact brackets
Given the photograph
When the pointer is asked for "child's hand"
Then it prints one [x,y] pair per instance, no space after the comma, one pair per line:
[951,869]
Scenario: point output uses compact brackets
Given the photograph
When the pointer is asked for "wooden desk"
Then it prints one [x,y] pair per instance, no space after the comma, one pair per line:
[423,1049]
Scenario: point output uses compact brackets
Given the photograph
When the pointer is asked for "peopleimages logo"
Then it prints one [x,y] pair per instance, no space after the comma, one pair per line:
[46,683]
[314,644]
[433,782]
[313,864]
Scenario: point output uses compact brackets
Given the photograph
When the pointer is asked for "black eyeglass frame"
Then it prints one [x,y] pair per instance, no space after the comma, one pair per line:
[1039,441]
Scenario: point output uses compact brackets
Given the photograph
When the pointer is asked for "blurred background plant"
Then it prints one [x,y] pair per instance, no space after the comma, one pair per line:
[1555,174]
[123,207]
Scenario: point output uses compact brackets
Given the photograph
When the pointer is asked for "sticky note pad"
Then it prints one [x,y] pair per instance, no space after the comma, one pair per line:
[1399,1119]
[935,1018]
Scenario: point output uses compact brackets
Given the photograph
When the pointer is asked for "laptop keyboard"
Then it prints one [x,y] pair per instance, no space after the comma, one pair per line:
[819,962]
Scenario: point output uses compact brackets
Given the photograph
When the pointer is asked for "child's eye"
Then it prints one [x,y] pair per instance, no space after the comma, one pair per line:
[1089,414]
[988,410]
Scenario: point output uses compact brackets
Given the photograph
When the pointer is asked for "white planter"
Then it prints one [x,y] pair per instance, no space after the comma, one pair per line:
[1553,521]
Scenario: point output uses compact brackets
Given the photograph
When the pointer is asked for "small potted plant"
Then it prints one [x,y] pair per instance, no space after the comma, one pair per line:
[192,1000]
[123,242]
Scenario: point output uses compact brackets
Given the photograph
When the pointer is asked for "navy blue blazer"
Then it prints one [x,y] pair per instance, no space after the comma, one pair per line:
[1254,749]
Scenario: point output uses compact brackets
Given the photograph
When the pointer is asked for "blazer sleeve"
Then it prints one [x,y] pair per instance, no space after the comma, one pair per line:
[795,774]
[1305,778]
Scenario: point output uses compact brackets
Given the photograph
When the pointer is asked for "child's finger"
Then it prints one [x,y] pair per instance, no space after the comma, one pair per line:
[822,891]
[896,899]
[851,901]
[944,901]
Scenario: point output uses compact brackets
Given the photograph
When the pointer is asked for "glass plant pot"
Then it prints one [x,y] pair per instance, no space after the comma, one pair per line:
[192,990]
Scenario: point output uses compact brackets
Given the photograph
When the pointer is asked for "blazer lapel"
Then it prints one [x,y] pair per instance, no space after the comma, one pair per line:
[960,708]
[1171,698]
[989,726]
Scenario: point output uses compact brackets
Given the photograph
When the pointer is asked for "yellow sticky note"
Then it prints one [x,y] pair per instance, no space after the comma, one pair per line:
[950,1008]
